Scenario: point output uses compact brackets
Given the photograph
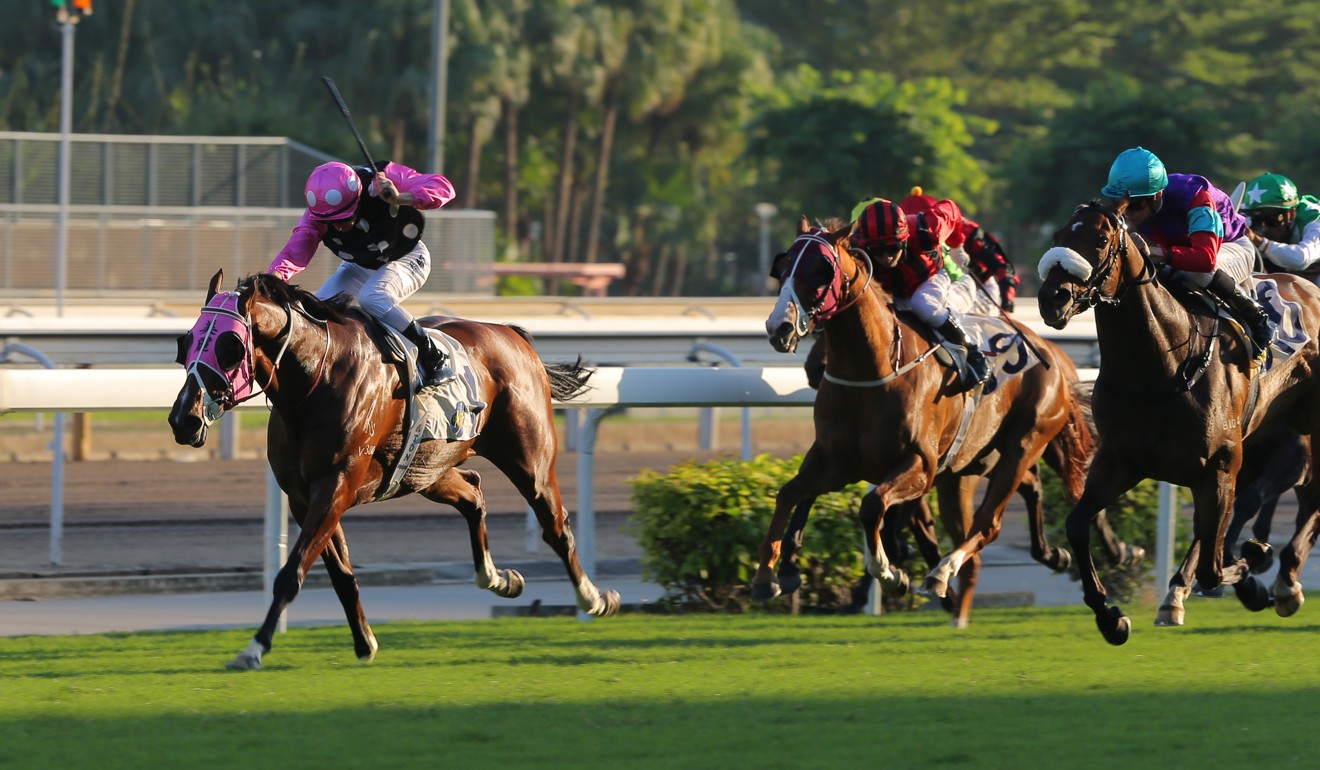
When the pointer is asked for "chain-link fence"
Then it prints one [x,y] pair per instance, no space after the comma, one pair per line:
[163,213]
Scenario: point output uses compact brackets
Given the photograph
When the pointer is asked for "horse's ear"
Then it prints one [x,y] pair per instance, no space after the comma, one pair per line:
[804,226]
[837,235]
[216,280]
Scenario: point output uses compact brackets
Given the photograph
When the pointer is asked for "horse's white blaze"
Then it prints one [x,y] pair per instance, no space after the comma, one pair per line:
[1071,262]
[787,310]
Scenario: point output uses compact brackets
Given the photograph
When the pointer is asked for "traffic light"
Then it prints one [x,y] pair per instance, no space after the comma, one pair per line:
[83,6]
[67,11]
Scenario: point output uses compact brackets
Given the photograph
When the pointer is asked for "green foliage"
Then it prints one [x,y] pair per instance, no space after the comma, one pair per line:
[1134,519]
[701,524]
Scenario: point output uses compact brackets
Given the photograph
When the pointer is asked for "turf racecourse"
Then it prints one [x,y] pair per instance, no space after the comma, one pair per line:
[1019,689]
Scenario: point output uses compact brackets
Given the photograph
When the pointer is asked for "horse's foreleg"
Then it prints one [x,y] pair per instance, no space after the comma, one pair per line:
[324,509]
[968,577]
[907,482]
[1213,506]
[345,584]
[1171,611]
[983,526]
[790,576]
[1107,480]
[803,487]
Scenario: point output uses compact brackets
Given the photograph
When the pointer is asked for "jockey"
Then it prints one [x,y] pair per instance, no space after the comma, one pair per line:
[378,237]
[1193,227]
[986,265]
[907,251]
[1284,227]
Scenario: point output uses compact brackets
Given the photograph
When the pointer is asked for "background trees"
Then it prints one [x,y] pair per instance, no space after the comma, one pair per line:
[644,131]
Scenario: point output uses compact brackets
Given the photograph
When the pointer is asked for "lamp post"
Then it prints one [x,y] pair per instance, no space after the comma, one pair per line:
[764,211]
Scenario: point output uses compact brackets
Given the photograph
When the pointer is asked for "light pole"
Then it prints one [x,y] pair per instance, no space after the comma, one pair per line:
[435,150]
[764,211]
[67,14]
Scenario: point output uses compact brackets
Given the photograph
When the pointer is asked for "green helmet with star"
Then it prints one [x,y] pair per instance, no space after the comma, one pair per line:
[1270,191]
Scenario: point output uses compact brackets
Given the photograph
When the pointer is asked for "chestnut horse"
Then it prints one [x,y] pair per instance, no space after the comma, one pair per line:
[1068,454]
[889,412]
[1173,401]
[335,432]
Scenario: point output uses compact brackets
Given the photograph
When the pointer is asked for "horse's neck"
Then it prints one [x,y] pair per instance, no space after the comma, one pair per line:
[867,325]
[298,350]
[1147,331]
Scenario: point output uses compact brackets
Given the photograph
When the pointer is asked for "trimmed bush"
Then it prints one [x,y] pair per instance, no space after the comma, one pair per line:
[701,524]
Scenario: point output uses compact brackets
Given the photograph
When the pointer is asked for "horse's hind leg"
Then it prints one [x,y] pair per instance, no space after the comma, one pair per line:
[1029,489]
[461,488]
[345,584]
[968,577]
[524,449]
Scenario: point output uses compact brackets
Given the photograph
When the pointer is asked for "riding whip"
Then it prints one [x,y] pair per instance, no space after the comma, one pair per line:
[343,108]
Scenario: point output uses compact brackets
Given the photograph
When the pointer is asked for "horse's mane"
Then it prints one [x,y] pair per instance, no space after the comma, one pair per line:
[277,290]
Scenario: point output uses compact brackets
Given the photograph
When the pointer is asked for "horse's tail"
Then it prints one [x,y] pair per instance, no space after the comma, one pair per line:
[567,380]
[1069,453]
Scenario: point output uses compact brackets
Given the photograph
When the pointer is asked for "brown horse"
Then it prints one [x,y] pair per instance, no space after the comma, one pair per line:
[335,432]
[889,413]
[1173,401]
[1068,454]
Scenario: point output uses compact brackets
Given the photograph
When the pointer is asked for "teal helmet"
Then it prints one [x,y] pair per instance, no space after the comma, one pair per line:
[1270,191]
[1136,173]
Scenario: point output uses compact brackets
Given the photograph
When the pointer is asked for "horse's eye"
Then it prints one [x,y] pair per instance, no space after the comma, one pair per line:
[229,351]
[185,343]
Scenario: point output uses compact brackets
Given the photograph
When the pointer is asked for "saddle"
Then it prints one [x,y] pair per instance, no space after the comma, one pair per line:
[450,411]
[1290,336]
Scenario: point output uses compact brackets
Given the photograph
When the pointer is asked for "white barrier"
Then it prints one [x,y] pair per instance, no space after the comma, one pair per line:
[612,388]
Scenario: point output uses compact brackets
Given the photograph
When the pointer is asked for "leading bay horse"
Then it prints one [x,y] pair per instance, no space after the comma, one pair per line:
[1157,417]
[889,413]
[335,431]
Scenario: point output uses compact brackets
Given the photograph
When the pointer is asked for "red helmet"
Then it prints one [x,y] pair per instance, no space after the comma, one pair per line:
[881,223]
[332,191]
[917,201]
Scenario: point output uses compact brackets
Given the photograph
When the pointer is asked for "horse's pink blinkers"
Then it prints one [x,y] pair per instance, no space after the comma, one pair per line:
[826,298]
[221,341]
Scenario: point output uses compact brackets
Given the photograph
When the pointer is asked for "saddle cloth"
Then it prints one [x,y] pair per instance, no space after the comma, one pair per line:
[1290,336]
[1005,349]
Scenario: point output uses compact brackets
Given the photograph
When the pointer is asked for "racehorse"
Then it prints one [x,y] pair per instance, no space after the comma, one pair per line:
[1068,454]
[890,414]
[335,431]
[1173,401]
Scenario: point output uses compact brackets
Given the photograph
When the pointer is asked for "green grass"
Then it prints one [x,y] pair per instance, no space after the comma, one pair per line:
[1020,689]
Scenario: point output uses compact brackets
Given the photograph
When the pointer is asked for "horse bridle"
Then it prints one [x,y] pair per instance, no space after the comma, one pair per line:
[815,312]
[1118,247]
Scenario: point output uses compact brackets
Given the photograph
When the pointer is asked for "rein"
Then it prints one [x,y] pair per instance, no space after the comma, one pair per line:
[287,333]
[1118,249]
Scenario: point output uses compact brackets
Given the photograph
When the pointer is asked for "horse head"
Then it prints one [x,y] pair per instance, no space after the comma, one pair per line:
[815,276]
[1092,262]
[217,355]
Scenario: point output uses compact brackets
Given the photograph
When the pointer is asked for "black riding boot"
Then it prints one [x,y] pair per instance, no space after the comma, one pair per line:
[431,360]
[978,369]
[1245,309]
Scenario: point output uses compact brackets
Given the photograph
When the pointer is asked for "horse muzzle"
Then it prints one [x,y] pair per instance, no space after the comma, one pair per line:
[1057,303]
[783,338]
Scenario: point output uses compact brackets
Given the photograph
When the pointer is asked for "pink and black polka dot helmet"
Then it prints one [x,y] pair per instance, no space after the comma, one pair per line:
[332,191]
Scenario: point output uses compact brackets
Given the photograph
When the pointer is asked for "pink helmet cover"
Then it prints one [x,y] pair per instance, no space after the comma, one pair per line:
[332,191]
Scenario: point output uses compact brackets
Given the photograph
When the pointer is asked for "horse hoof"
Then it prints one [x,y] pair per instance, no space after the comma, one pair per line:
[1169,615]
[1114,626]
[613,602]
[1259,556]
[789,583]
[1209,593]
[1288,599]
[764,592]
[898,585]
[513,584]
[244,662]
[1252,594]
[1064,560]
[369,653]
[933,586]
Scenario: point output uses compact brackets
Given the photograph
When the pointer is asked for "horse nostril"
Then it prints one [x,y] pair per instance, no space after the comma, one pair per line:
[784,329]
[1061,296]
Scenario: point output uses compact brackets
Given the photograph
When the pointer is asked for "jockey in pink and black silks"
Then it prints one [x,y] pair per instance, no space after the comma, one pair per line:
[371,219]
[907,250]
